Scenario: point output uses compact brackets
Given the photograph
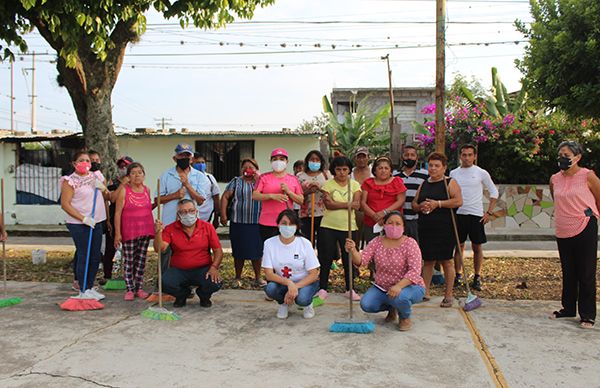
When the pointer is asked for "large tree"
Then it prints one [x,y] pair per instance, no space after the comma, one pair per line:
[562,62]
[90,38]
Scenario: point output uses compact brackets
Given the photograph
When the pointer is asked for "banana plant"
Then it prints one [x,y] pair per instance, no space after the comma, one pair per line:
[359,127]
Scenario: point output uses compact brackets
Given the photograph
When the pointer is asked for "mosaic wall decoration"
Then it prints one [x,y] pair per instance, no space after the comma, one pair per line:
[525,207]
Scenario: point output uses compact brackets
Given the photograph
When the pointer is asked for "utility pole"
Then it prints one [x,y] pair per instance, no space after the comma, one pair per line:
[393,136]
[440,72]
[12,95]
[163,122]
[33,96]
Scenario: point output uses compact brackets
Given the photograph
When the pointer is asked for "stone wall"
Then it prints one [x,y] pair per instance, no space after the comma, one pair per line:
[523,207]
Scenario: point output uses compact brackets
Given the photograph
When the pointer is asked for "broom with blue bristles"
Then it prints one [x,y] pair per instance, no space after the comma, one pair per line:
[351,326]
[6,301]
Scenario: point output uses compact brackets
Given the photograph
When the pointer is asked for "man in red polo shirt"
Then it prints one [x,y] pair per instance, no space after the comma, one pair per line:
[191,241]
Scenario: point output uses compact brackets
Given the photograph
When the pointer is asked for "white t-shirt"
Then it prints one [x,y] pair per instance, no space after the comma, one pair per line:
[292,261]
[207,207]
[471,181]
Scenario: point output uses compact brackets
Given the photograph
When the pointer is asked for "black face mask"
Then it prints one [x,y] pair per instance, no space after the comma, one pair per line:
[409,163]
[95,166]
[564,163]
[183,163]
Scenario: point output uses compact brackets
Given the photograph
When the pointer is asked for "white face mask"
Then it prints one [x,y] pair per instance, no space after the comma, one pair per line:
[278,165]
[287,231]
[188,219]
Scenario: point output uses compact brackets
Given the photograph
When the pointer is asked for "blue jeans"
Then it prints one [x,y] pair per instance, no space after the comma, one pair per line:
[305,294]
[375,300]
[81,234]
[177,282]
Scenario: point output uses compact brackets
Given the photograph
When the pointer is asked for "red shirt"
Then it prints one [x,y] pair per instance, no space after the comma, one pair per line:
[191,252]
[381,197]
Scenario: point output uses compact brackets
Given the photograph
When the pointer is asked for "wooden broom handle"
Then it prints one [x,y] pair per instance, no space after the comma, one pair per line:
[160,304]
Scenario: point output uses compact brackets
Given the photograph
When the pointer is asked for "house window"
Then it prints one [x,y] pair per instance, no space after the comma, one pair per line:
[223,157]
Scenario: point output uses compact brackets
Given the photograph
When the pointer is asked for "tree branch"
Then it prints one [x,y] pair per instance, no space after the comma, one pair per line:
[122,35]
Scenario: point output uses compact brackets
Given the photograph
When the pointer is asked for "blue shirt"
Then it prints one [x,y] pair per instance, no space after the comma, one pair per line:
[170,183]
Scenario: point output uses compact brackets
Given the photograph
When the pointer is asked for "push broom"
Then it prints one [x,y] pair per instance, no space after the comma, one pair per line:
[472,302]
[84,301]
[351,326]
[159,313]
[6,301]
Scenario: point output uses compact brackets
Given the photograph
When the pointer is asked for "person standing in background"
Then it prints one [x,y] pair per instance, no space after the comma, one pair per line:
[210,207]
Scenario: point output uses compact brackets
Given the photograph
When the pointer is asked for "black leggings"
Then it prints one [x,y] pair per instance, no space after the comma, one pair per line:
[329,244]
[578,259]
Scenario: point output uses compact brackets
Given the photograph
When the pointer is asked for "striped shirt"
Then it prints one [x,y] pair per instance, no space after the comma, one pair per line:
[244,210]
[412,183]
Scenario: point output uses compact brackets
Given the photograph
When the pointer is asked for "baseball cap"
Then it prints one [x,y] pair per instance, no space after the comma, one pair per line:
[361,150]
[279,152]
[126,160]
[184,148]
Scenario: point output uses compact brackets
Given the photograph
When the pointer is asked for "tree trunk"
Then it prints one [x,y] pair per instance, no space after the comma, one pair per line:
[99,132]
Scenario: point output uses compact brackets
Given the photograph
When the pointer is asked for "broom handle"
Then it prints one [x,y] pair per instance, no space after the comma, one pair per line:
[312,220]
[3,243]
[350,268]
[89,248]
[460,253]
[160,304]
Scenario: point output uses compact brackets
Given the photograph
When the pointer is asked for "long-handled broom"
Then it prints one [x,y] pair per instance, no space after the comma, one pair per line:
[159,313]
[472,302]
[351,326]
[6,301]
[117,283]
[84,301]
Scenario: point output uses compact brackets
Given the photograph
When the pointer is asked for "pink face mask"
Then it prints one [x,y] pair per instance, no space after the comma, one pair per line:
[82,167]
[393,231]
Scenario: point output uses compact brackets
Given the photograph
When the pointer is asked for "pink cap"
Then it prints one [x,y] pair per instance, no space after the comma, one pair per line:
[279,152]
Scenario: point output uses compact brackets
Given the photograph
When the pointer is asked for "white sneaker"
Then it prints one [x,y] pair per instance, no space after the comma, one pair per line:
[95,294]
[282,311]
[309,312]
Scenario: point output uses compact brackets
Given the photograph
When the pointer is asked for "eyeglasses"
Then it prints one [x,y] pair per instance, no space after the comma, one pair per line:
[184,212]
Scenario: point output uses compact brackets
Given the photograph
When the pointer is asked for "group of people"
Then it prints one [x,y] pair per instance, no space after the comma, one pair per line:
[398,224]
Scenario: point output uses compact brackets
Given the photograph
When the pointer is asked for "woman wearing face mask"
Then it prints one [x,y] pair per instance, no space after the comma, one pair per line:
[277,190]
[244,232]
[77,200]
[291,267]
[576,193]
[312,178]
[134,227]
[398,282]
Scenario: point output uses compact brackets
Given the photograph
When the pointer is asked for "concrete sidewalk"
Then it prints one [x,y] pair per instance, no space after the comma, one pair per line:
[239,342]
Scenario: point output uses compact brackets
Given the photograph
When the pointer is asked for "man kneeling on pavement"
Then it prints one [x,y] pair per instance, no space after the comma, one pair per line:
[191,241]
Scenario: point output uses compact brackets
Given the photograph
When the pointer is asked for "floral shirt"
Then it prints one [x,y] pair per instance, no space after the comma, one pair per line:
[307,180]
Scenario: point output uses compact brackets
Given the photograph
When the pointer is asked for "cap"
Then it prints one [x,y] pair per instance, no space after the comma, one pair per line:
[279,152]
[361,150]
[127,160]
[184,148]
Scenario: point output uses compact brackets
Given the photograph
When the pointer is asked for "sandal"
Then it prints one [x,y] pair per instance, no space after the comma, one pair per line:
[586,323]
[447,302]
[561,314]
[426,299]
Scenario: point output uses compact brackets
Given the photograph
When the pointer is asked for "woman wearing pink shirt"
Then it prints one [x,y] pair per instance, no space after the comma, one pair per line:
[277,190]
[398,282]
[576,193]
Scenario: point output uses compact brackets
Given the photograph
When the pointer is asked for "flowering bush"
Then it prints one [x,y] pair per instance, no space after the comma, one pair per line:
[513,149]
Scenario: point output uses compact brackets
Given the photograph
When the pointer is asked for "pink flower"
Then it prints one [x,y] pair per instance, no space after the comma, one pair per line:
[428,109]
[516,131]
[552,131]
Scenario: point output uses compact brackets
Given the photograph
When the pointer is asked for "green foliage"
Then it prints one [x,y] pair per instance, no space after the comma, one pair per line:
[317,123]
[360,127]
[562,62]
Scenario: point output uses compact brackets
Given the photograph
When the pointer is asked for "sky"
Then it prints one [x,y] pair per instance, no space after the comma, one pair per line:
[233,78]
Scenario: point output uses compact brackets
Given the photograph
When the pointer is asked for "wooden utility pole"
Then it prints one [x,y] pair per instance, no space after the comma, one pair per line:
[12,95]
[440,72]
[392,121]
[33,96]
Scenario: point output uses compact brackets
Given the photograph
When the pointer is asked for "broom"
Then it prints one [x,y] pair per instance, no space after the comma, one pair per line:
[351,326]
[5,302]
[159,313]
[84,301]
[472,302]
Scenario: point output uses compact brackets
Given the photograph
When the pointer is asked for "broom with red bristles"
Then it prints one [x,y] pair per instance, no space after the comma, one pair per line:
[84,301]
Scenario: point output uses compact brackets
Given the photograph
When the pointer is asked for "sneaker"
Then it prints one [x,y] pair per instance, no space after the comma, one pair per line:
[309,312]
[282,311]
[260,283]
[129,296]
[458,280]
[355,297]
[268,298]
[322,294]
[180,302]
[75,286]
[476,285]
[142,294]
[96,295]
[205,302]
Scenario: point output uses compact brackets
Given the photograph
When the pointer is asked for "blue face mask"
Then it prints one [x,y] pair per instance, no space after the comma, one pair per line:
[287,231]
[200,166]
[314,166]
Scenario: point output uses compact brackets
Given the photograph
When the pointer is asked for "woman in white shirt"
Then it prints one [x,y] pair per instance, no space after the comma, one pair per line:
[291,267]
